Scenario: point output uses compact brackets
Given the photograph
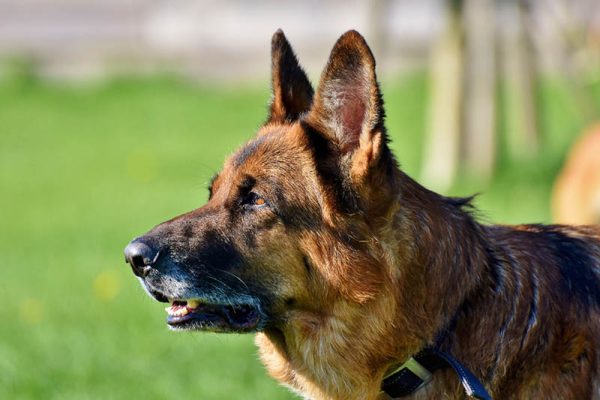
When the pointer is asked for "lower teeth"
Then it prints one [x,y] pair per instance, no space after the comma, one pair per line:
[182,308]
[178,312]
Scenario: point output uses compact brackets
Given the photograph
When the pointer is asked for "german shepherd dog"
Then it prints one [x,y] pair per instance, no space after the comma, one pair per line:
[345,268]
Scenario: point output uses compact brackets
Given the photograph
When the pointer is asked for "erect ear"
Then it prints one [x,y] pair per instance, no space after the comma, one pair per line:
[292,92]
[348,107]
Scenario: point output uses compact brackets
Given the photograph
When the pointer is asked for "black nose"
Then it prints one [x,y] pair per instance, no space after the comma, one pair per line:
[141,257]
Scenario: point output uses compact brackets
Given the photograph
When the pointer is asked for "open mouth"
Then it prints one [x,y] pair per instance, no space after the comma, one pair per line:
[195,314]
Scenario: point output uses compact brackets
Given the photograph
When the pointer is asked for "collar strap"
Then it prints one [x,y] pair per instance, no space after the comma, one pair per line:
[418,371]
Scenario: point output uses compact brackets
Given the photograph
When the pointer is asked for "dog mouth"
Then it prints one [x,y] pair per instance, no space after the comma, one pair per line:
[199,315]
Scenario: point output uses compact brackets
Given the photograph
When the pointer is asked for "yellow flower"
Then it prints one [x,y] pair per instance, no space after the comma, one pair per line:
[106,286]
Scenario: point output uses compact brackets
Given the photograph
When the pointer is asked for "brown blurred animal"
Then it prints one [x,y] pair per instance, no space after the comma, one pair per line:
[345,267]
[576,195]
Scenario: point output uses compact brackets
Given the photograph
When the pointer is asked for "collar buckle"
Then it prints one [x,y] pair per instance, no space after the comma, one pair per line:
[416,368]
[407,378]
[417,372]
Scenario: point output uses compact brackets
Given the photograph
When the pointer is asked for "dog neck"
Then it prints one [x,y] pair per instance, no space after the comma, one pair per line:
[448,259]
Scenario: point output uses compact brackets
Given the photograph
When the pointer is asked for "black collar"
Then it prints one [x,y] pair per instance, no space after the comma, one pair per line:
[418,371]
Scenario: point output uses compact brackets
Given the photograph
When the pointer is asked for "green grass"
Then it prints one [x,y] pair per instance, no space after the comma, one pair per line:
[84,170]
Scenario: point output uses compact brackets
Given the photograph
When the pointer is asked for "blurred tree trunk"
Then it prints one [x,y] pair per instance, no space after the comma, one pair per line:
[581,58]
[442,142]
[520,85]
[378,28]
[479,147]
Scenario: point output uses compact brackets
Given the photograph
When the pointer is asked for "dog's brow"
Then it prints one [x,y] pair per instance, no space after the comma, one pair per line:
[247,182]
[247,151]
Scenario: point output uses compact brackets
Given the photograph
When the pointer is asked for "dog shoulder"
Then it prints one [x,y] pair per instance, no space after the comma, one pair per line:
[567,256]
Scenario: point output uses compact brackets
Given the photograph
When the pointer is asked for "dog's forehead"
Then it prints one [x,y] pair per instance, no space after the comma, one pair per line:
[274,148]
[278,157]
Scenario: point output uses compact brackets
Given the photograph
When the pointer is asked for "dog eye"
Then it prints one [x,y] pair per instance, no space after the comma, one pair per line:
[254,199]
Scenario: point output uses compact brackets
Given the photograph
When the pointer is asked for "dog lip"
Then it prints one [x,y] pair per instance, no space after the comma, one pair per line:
[207,316]
[240,314]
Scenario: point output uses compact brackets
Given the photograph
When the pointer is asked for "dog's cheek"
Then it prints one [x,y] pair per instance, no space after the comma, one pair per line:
[353,274]
[275,265]
[283,275]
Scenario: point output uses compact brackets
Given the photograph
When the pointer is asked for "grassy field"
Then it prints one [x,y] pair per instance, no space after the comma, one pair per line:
[83,170]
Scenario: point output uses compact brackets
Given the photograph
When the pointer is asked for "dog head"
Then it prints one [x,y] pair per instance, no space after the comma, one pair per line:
[293,220]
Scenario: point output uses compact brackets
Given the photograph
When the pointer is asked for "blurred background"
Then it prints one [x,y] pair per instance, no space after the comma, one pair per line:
[115,114]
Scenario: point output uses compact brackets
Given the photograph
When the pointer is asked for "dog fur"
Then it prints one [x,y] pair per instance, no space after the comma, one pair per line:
[354,267]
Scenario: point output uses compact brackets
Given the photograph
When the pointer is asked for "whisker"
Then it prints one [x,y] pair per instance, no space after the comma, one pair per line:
[238,278]
[220,289]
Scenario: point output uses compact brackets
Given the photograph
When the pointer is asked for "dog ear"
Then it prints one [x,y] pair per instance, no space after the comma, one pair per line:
[348,107]
[292,91]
